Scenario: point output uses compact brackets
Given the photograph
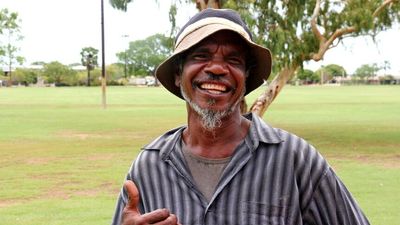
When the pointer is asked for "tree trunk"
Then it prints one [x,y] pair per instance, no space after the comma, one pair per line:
[9,83]
[88,77]
[204,4]
[262,103]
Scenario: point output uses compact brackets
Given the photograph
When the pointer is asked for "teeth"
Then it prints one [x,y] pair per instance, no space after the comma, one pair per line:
[214,91]
[214,88]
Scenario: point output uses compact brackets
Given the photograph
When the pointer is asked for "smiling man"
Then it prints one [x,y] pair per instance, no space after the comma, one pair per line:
[213,77]
[224,167]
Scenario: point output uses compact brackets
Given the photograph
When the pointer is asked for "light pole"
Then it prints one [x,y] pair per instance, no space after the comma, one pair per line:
[103,64]
[322,75]
[126,59]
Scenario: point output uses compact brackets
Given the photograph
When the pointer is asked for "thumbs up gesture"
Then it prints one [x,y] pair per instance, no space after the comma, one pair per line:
[132,216]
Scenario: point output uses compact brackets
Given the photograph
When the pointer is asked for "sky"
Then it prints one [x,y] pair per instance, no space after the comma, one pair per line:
[57,30]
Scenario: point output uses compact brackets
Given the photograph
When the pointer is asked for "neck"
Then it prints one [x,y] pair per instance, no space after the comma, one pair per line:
[219,142]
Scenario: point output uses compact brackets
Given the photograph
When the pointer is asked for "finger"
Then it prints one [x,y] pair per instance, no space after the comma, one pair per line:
[156,216]
[133,195]
[171,220]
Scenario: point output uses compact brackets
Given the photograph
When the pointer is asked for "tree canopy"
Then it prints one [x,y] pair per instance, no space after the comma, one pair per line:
[298,31]
[366,71]
[307,76]
[89,60]
[57,73]
[89,57]
[143,56]
[9,36]
[335,70]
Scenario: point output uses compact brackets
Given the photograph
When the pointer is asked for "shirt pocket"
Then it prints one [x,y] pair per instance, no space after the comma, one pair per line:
[256,213]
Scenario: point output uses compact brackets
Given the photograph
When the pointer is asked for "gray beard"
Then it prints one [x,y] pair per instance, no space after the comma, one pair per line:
[210,119]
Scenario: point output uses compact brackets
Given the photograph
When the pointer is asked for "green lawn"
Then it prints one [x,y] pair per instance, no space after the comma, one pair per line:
[63,158]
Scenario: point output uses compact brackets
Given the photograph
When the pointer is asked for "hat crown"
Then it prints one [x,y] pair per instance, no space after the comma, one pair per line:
[203,25]
[227,14]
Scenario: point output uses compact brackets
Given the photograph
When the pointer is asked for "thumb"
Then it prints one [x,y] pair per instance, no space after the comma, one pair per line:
[133,196]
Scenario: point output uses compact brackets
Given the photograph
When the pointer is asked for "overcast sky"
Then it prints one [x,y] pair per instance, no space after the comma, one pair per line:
[59,29]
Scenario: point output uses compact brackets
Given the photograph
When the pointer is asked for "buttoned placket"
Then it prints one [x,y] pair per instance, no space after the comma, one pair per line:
[240,158]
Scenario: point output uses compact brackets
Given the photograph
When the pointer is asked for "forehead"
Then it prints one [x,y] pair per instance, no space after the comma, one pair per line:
[225,38]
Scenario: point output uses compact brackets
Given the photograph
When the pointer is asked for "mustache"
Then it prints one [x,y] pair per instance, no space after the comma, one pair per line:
[213,76]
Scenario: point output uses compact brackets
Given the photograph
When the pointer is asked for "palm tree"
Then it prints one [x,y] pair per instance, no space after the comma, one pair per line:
[89,59]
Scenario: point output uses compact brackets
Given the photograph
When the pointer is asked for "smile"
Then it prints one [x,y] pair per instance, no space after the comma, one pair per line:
[214,88]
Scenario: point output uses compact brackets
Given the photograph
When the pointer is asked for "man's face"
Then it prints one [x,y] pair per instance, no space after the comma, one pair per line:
[213,75]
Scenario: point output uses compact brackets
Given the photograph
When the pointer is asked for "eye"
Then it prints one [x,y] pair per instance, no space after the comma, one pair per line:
[200,56]
[236,60]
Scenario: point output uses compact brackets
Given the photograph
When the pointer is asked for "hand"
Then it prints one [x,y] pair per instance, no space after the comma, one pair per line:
[132,216]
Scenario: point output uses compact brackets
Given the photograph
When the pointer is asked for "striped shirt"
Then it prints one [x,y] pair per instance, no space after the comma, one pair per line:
[274,177]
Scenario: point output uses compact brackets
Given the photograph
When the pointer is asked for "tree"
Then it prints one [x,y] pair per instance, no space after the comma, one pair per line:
[57,73]
[335,70]
[386,66]
[330,73]
[25,76]
[10,32]
[366,71]
[307,76]
[89,59]
[143,56]
[298,31]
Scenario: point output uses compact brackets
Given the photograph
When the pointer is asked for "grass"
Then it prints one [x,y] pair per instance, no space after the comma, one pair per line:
[63,158]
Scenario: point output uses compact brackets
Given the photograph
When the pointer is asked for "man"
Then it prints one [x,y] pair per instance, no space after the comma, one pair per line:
[225,168]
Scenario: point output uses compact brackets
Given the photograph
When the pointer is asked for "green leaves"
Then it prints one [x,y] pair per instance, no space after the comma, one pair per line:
[120,4]
[144,55]
[89,57]
[285,26]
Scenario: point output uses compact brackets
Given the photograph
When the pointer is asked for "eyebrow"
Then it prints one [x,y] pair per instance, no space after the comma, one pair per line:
[202,49]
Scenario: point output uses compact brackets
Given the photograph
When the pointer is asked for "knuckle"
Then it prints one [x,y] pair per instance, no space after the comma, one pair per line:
[139,221]
[172,219]
[162,212]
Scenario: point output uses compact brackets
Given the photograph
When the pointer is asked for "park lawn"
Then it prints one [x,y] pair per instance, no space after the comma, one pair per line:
[63,158]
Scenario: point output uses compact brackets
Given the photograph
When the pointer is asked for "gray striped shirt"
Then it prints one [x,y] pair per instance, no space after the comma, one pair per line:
[274,177]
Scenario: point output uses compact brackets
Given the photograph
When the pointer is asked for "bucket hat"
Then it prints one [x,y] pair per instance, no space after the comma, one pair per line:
[201,26]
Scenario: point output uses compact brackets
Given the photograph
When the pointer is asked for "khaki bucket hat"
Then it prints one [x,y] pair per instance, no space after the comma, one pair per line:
[204,24]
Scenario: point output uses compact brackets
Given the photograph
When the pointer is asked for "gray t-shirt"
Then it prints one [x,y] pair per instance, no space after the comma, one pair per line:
[205,172]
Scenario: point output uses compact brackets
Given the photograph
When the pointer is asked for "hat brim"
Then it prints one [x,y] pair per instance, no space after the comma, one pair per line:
[260,72]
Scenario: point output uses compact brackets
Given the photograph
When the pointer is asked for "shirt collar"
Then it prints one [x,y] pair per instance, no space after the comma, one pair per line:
[259,132]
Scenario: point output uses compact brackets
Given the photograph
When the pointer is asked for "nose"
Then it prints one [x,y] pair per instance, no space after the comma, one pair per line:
[217,66]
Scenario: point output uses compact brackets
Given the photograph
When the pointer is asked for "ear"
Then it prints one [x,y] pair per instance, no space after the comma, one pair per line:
[177,80]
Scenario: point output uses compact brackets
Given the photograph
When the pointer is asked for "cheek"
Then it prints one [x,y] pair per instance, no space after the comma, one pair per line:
[185,83]
[240,77]
[188,73]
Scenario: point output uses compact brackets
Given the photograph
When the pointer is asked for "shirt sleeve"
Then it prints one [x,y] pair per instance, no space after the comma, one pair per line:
[332,204]
[121,202]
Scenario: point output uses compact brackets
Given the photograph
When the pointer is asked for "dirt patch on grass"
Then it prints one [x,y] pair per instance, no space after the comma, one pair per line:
[40,161]
[102,157]
[60,193]
[81,135]
[387,161]
[69,134]
[7,203]
[390,161]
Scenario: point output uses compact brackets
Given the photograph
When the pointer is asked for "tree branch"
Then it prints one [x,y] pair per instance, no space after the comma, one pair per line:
[381,7]
[324,46]
[314,27]
[201,4]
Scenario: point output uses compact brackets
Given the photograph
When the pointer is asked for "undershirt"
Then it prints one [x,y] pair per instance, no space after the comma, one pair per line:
[205,172]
